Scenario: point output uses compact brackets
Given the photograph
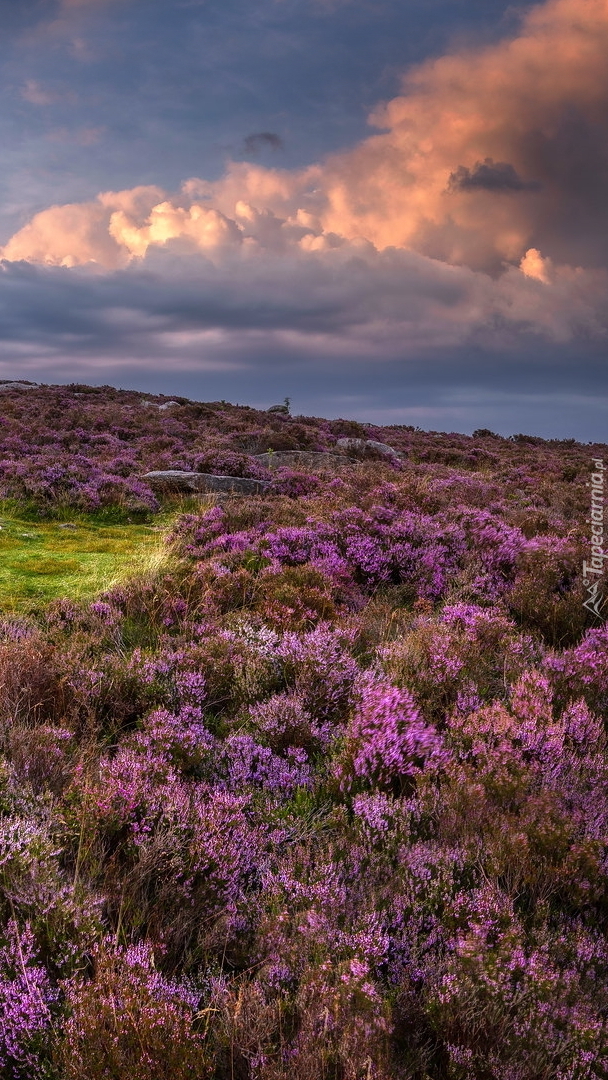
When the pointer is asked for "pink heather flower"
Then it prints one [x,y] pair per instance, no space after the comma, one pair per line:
[25,997]
[390,740]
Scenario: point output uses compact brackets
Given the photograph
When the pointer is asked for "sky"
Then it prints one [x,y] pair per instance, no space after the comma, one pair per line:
[390,210]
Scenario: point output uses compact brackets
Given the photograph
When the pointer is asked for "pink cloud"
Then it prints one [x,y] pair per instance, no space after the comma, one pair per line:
[33,92]
[522,108]
[491,160]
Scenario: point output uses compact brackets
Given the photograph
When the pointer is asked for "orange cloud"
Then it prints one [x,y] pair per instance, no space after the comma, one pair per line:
[534,266]
[489,154]
[79,233]
[66,236]
[205,228]
[532,110]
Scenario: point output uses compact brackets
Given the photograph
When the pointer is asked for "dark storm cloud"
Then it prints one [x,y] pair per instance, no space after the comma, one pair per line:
[262,140]
[388,338]
[490,175]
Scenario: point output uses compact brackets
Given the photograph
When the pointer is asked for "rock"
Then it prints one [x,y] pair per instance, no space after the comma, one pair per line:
[67,525]
[160,405]
[176,480]
[351,444]
[368,444]
[383,448]
[282,409]
[18,386]
[276,459]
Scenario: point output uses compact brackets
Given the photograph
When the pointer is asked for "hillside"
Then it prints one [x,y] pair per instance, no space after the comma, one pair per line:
[307,783]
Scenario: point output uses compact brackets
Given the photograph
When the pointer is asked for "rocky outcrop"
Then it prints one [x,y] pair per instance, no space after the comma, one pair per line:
[18,386]
[368,444]
[277,459]
[283,410]
[176,480]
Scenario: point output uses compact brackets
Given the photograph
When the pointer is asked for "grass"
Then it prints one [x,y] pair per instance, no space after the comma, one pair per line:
[77,558]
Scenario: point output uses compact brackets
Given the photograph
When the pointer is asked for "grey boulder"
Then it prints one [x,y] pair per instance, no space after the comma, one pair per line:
[160,405]
[18,386]
[368,444]
[176,480]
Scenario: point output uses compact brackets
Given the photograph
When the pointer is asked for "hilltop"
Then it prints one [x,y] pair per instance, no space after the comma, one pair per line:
[304,780]
[88,446]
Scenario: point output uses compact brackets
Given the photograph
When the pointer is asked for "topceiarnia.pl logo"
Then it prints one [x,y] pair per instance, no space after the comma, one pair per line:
[593,570]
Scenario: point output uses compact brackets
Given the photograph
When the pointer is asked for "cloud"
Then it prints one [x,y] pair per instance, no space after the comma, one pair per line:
[35,94]
[262,140]
[203,272]
[389,335]
[490,175]
[526,116]
[537,101]
[65,24]
[473,223]
[534,266]
[79,233]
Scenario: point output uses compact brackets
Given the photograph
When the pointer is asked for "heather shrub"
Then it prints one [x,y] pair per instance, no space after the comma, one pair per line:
[225,462]
[126,1021]
[249,1031]
[582,670]
[40,756]
[295,483]
[296,598]
[344,1024]
[468,650]
[115,689]
[16,629]
[501,992]
[191,858]
[324,791]
[387,742]
[251,765]
[30,688]
[282,721]
[26,998]
[213,656]
[152,605]
[320,669]
[544,778]
[238,665]
[547,595]
[35,885]
[181,738]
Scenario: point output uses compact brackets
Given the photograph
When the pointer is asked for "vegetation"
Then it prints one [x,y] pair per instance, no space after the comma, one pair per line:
[312,784]
[76,559]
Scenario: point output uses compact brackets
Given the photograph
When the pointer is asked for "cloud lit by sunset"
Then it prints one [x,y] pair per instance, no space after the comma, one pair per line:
[467,230]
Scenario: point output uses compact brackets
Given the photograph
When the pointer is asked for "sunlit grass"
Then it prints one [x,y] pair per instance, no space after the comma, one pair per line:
[77,559]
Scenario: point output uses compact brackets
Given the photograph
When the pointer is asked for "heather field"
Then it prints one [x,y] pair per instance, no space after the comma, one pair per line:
[309,784]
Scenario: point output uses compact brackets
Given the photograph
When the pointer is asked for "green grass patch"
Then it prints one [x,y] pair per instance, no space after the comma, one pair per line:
[41,560]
